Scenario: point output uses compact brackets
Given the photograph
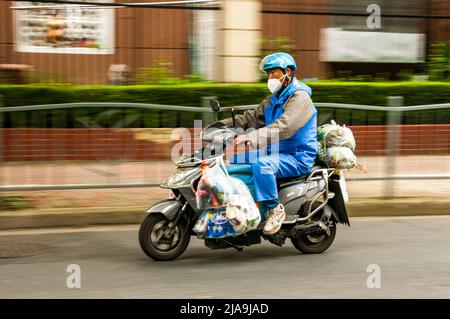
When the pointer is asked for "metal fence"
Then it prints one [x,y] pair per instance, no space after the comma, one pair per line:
[118,156]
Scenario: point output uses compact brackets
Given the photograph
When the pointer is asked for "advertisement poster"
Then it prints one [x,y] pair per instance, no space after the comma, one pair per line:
[64,29]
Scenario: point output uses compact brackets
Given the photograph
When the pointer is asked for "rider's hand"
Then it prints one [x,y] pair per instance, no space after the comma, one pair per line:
[241,139]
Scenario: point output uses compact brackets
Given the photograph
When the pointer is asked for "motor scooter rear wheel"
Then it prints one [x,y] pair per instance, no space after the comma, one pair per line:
[314,243]
[157,243]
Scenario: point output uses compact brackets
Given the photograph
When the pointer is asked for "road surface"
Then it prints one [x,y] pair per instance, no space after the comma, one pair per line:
[411,256]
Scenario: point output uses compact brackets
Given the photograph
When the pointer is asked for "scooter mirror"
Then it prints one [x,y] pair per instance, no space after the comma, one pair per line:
[215,106]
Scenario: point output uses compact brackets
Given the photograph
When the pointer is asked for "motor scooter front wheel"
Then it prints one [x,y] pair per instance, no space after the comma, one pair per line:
[156,240]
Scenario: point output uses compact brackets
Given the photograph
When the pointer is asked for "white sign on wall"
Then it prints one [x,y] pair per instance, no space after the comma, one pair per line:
[338,45]
[67,29]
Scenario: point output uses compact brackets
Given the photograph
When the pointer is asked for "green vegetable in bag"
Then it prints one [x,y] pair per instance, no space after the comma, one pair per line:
[336,135]
[340,157]
[336,157]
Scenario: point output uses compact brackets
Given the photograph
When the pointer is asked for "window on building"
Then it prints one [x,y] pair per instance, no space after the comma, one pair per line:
[394,40]
[50,28]
[388,24]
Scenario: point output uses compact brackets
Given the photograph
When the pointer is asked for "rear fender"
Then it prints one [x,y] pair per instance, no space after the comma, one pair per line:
[337,203]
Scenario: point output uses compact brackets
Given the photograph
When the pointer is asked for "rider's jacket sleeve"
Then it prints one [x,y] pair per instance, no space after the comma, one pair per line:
[250,119]
[298,110]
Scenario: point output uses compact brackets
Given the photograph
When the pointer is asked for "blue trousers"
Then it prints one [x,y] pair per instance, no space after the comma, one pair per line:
[266,168]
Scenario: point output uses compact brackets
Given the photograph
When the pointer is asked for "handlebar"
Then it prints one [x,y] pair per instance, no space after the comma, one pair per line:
[217,134]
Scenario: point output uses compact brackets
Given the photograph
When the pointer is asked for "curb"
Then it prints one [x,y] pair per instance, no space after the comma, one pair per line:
[398,207]
[70,217]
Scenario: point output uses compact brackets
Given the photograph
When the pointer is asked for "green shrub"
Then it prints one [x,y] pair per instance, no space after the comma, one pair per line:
[369,93]
[439,64]
[159,71]
[14,202]
[162,73]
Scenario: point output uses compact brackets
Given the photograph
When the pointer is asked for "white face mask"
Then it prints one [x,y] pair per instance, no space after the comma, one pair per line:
[274,85]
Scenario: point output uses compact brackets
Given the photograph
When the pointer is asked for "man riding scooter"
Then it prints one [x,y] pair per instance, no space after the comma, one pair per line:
[283,142]
[304,203]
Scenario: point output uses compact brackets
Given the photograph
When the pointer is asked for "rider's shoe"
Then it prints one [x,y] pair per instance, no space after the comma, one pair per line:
[275,220]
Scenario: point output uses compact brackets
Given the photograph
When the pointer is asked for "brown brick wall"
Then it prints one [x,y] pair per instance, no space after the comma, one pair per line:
[33,144]
[139,41]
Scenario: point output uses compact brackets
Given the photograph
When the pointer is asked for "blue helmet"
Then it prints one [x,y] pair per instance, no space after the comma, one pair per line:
[277,60]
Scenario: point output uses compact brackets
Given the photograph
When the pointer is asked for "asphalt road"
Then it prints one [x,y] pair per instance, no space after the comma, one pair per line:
[413,256]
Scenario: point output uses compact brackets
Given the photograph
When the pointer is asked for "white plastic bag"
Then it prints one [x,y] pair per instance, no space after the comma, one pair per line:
[242,211]
[237,218]
[217,190]
[214,188]
[336,135]
[340,157]
[201,226]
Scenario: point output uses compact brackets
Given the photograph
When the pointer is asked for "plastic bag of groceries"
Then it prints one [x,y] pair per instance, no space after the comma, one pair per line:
[214,187]
[230,208]
[219,226]
[213,223]
[336,135]
[241,210]
[321,156]
[201,226]
[336,157]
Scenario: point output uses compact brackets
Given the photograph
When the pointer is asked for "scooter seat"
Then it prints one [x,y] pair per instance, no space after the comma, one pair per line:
[247,169]
[285,180]
[239,169]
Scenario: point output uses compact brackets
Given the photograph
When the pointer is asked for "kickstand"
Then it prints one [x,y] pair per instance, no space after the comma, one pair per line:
[238,248]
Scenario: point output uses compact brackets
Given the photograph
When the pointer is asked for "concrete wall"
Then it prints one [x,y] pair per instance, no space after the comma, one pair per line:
[239,33]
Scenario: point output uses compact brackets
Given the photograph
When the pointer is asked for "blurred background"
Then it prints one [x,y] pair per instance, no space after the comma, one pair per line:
[91,91]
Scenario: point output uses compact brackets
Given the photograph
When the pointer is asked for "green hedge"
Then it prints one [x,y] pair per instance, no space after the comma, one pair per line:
[373,93]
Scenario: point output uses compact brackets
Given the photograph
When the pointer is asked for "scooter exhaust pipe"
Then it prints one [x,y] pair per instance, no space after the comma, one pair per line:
[310,228]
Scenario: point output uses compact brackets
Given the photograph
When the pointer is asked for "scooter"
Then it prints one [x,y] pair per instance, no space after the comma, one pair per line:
[314,205]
